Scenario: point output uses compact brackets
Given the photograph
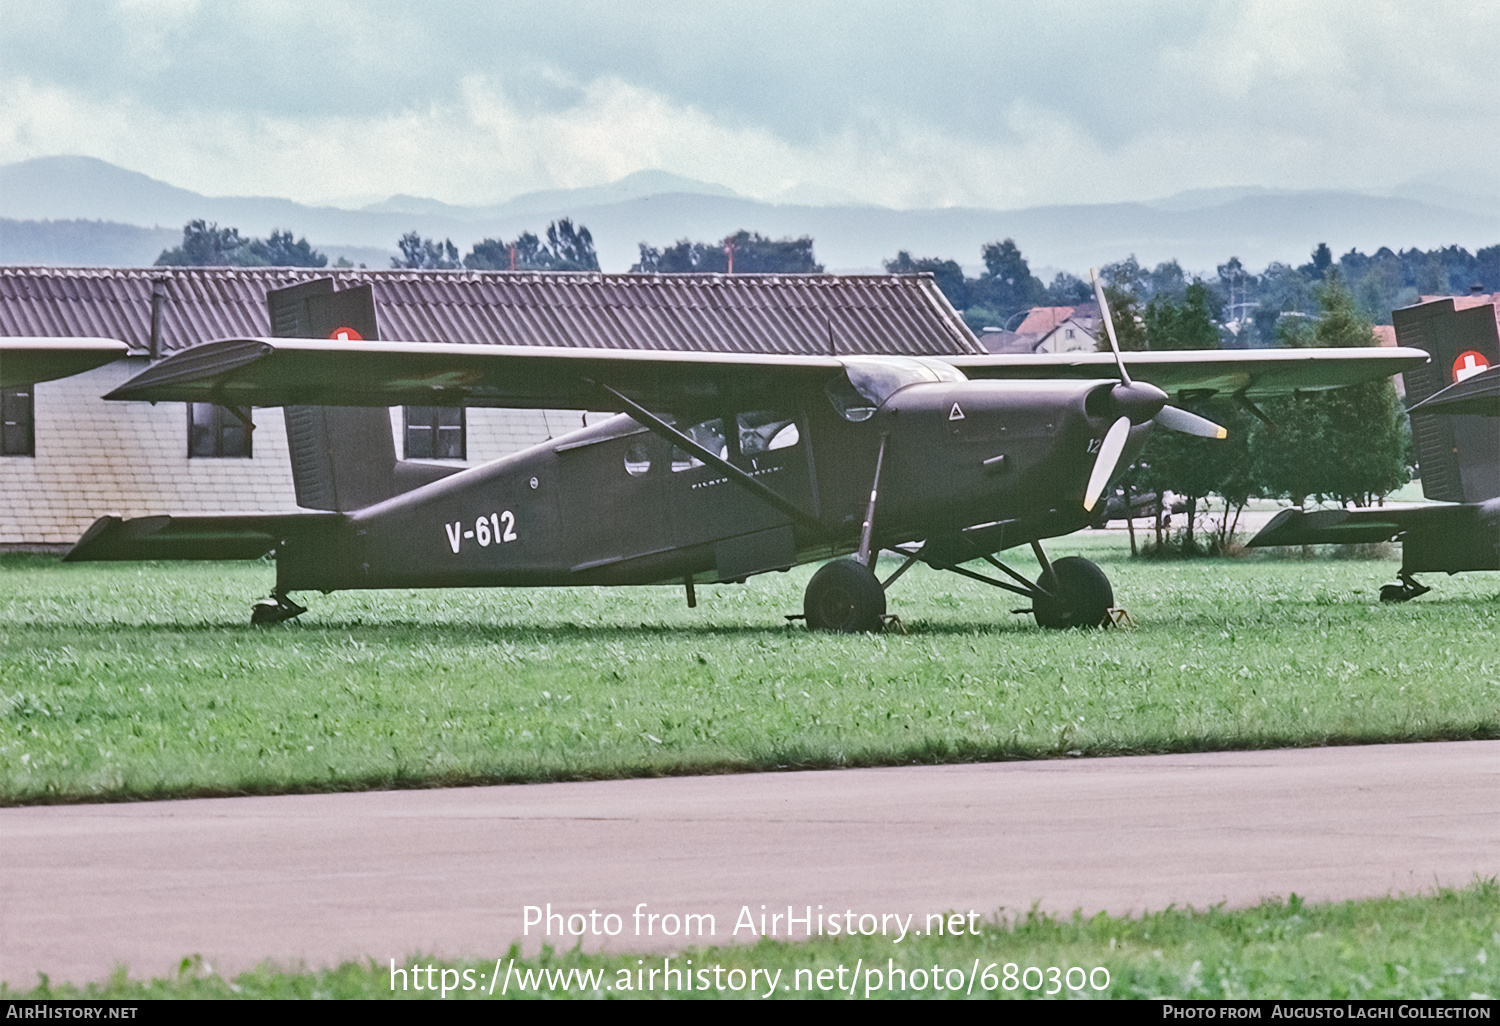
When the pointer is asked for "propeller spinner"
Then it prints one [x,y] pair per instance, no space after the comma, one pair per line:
[1134,402]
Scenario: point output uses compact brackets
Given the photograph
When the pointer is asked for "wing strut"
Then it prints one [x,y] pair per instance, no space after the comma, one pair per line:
[713,459]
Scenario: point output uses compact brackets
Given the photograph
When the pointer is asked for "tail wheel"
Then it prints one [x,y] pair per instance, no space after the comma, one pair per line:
[1080,595]
[844,596]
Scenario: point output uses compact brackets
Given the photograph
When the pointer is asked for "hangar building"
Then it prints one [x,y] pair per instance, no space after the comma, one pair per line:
[68,457]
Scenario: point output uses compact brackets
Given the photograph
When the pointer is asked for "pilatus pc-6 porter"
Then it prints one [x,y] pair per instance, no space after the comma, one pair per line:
[716,468]
[1455,422]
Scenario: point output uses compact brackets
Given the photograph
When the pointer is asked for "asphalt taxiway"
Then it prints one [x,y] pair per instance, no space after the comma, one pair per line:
[316,879]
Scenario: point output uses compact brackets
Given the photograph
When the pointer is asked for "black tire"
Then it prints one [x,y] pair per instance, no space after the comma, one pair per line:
[1083,595]
[844,596]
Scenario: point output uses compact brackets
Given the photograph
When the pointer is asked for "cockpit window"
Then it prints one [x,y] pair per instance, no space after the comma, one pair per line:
[869,381]
[765,430]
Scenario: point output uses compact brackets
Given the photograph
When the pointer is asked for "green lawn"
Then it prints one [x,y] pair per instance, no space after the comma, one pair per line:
[1445,945]
[143,681]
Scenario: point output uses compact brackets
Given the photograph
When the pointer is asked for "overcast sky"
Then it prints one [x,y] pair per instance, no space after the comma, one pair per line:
[990,104]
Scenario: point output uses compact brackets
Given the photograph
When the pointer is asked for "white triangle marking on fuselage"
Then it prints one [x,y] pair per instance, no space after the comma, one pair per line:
[956,413]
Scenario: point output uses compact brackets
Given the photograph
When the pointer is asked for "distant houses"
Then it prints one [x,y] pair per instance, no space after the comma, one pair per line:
[1048,329]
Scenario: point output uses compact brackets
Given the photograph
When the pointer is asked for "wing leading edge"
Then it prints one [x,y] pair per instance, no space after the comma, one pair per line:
[1252,373]
[26,361]
[290,372]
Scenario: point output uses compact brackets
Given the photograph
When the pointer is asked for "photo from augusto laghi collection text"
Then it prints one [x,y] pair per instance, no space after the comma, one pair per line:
[679,974]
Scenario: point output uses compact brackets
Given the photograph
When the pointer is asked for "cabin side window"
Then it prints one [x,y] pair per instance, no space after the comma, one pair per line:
[218,432]
[435,433]
[710,435]
[17,422]
[637,458]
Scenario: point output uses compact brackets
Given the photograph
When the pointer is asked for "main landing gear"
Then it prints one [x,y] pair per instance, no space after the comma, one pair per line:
[275,609]
[1408,588]
[846,596]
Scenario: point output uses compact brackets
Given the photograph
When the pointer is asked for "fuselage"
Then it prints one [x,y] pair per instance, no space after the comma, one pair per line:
[970,467]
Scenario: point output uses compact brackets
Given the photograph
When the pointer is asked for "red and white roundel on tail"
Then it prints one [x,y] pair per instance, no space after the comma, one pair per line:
[345,334]
[1468,364]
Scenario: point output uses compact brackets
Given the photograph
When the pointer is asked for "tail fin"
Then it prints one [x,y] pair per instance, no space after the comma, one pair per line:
[1459,455]
[343,457]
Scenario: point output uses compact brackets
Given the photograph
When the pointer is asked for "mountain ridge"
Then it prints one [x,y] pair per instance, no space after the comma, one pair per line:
[1199,228]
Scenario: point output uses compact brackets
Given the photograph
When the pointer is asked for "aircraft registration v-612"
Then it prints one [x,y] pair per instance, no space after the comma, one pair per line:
[719,467]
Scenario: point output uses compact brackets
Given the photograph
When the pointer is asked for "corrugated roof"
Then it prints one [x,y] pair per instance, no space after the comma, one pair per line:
[742,313]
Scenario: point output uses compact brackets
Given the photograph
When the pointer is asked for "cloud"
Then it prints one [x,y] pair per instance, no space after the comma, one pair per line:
[973,104]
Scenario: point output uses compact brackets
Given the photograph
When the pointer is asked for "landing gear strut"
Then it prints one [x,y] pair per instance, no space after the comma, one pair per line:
[1408,588]
[1071,592]
[275,609]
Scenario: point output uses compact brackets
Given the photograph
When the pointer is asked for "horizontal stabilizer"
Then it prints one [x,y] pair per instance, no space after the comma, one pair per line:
[25,361]
[1363,526]
[1326,527]
[241,536]
[1478,394]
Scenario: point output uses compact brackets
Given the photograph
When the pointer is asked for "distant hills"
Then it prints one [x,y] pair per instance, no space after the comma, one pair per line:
[79,210]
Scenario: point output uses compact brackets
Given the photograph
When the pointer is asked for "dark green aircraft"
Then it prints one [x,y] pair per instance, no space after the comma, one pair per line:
[719,467]
[1455,424]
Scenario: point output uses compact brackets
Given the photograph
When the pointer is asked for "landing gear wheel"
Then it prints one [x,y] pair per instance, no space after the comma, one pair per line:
[275,609]
[1082,595]
[844,596]
[1408,589]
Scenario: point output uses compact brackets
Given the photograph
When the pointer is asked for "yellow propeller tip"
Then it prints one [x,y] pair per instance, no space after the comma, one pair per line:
[1222,434]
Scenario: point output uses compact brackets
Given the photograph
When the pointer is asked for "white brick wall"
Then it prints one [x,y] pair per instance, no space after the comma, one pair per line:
[95,457]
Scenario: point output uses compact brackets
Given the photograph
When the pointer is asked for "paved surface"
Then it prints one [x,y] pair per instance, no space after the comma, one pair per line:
[322,878]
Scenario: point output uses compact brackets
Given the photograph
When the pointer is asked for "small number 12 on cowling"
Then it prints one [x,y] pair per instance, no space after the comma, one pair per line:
[497,528]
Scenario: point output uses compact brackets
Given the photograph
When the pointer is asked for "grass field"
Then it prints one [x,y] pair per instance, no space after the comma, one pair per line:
[1445,945]
[145,681]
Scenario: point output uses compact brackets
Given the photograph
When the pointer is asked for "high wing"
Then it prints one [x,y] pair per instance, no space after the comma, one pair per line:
[1252,373]
[25,361]
[319,372]
[1479,393]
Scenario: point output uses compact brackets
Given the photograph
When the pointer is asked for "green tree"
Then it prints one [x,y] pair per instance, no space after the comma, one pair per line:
[567,249]
[422,254]
[1190,467]
[1188,324]
[1007,284]
[1125,315]
[949,275]
[749,252]
[280,250]
[1347,445]
[208,245]
[571,249]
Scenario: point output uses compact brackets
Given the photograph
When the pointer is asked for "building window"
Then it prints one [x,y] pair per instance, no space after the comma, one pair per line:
[17,422]
[435,433]
[216,432]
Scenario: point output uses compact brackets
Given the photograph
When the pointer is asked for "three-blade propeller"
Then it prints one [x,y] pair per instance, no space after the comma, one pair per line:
[1134,403]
